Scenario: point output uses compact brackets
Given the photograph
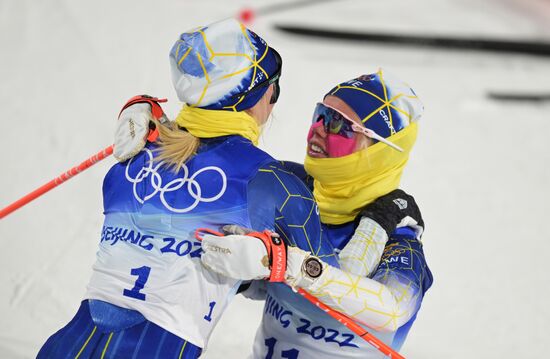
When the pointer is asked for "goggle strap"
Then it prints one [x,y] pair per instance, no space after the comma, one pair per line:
[371,134]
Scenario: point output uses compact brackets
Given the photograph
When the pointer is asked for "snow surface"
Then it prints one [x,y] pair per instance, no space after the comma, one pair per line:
[480,170]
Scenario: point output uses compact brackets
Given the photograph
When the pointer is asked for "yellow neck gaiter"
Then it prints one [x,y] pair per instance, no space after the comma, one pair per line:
[215,123]
[345,185]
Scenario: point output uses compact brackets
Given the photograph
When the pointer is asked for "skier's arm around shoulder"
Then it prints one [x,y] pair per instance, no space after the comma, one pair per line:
[377,221]
[280,202]
[384,302]
[278,190]
[299,171]
[377,282]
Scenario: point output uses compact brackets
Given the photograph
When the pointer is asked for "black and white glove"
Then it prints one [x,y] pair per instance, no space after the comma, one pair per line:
[394,210]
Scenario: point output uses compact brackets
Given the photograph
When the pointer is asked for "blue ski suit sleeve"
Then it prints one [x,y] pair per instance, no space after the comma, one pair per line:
[279,201]
[403,267]
[299,171]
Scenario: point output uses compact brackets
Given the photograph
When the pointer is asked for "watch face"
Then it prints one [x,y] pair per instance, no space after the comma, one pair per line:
[313,267]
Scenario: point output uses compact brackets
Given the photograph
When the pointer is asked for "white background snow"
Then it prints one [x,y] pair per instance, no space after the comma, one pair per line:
[480,170]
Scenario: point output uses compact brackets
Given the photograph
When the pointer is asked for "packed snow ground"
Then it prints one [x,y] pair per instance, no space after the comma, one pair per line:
[480,170]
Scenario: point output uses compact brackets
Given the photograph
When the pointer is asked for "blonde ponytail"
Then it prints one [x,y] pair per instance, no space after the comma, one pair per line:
[175,145]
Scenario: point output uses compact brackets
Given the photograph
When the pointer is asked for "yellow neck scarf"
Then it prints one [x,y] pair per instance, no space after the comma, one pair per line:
[215,123]
[345,185]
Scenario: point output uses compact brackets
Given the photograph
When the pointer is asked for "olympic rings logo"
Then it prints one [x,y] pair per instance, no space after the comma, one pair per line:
[193,187]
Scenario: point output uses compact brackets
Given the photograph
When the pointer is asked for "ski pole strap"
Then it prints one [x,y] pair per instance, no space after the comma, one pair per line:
[156,111]
[276,252]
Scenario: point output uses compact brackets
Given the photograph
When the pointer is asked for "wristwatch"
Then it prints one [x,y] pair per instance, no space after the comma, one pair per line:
[312,268]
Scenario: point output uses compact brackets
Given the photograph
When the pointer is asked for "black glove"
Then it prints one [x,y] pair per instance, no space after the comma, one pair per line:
[389,210]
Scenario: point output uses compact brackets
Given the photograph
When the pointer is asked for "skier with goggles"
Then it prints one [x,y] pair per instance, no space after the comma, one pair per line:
[357,147]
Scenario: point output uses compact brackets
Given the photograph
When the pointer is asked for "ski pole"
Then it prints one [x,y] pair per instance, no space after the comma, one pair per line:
[353,326]
[340,317]
[106,152]
[101,155]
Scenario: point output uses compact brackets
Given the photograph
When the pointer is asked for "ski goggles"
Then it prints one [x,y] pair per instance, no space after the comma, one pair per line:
[336,123]
[273,80]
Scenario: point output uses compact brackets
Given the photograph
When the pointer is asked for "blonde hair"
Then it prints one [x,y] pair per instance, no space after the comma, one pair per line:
[176,145]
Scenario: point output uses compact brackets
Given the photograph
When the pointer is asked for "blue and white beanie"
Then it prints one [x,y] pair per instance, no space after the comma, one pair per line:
[385,104]
[212,64]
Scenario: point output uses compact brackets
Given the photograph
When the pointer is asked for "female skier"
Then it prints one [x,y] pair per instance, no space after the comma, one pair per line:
[149,295]
[358,144]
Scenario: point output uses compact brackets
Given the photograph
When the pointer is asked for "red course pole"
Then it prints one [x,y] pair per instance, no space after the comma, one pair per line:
[353,326]
[57,181]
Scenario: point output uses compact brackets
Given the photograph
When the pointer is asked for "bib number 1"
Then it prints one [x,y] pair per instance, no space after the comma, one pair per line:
[208,317]
[142,274]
